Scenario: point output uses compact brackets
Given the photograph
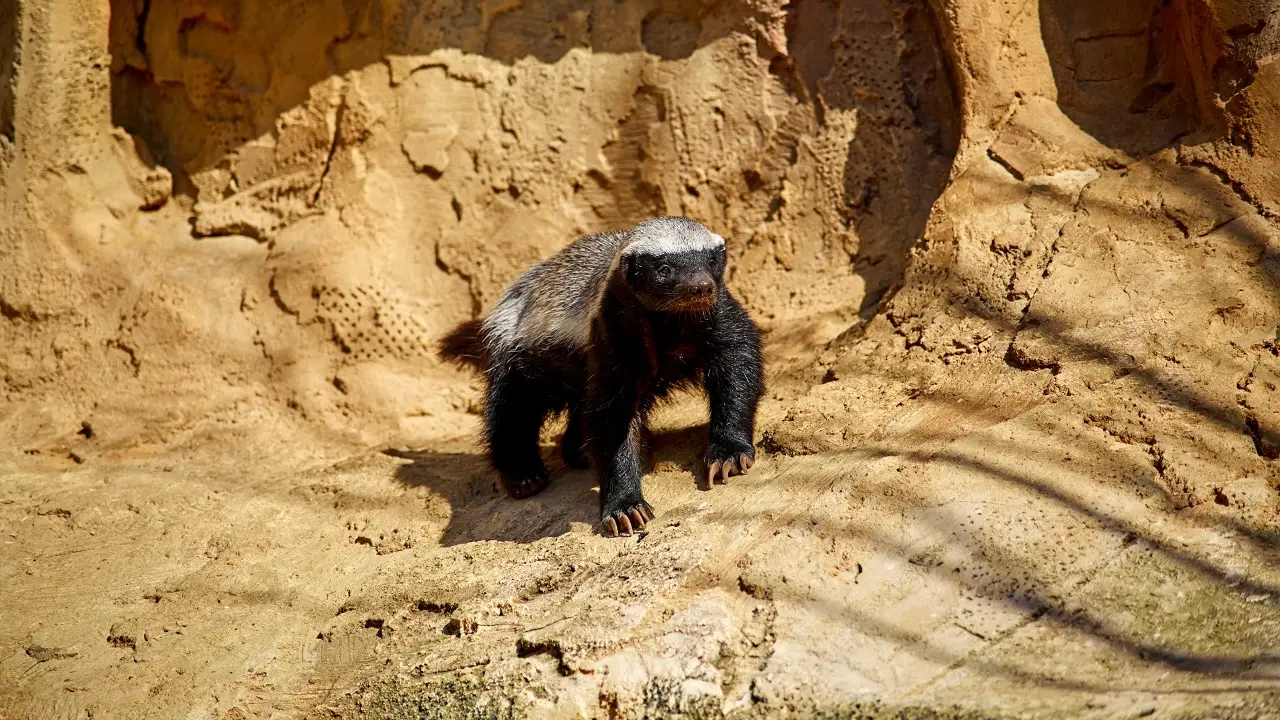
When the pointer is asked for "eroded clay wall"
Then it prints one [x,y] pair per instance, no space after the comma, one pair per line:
[300,197]
[220,211]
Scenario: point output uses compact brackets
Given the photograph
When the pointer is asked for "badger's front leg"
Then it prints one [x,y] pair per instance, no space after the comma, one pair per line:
[735,382]
[614,426]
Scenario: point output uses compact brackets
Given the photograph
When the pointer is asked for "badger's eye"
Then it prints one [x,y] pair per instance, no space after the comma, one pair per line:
[664,272]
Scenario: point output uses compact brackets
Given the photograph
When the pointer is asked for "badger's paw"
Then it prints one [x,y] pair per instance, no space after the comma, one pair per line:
[629,516]
[726,459]
[526,485]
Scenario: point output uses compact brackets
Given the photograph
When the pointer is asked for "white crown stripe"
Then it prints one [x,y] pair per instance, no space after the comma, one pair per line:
[671,244]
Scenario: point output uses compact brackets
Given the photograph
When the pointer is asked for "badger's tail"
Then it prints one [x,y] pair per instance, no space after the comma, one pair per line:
[465,347]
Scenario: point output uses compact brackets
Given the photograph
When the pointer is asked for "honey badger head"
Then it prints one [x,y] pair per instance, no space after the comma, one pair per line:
[673,264]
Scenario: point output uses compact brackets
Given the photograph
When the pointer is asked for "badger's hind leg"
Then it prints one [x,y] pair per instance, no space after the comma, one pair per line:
[515,408]
[573,444]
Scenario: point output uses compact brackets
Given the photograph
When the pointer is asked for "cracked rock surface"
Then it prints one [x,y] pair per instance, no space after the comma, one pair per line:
[1018,266]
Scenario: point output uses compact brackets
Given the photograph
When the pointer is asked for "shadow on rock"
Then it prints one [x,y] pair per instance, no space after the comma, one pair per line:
[481,510]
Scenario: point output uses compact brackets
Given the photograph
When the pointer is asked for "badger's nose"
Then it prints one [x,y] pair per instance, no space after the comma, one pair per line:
[705,287]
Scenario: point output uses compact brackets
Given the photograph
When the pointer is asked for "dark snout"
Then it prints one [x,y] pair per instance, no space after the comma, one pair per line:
[704,286]
[700,292]
[683,288]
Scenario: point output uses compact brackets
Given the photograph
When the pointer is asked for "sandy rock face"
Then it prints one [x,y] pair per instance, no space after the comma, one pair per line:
[1018,265]
[374,149]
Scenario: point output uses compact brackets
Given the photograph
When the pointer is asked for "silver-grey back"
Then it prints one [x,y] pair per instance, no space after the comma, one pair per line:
[554,301]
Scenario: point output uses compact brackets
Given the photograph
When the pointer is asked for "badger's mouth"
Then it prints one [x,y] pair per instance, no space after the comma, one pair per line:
[689,303]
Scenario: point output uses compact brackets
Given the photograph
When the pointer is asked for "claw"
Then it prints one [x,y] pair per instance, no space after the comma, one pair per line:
[637,519]
[713,471]
[745,462]
[627,521]
[728,469]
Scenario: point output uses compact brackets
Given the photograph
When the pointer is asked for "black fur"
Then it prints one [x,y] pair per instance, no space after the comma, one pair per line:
[522,393]
[662,322]
[639,355]
[464,346]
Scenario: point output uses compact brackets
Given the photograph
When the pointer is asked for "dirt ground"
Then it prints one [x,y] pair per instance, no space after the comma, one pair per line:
[1018,265]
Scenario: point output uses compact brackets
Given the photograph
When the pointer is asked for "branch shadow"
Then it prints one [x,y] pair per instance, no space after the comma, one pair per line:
[1149,123]
[997,560]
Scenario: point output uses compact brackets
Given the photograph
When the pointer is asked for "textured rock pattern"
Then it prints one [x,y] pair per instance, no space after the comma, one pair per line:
[1018,263]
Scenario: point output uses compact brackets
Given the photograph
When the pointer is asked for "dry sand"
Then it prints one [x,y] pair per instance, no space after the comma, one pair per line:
[1018,263]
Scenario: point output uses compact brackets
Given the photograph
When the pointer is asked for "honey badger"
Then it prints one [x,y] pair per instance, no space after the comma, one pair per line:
[603,329]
